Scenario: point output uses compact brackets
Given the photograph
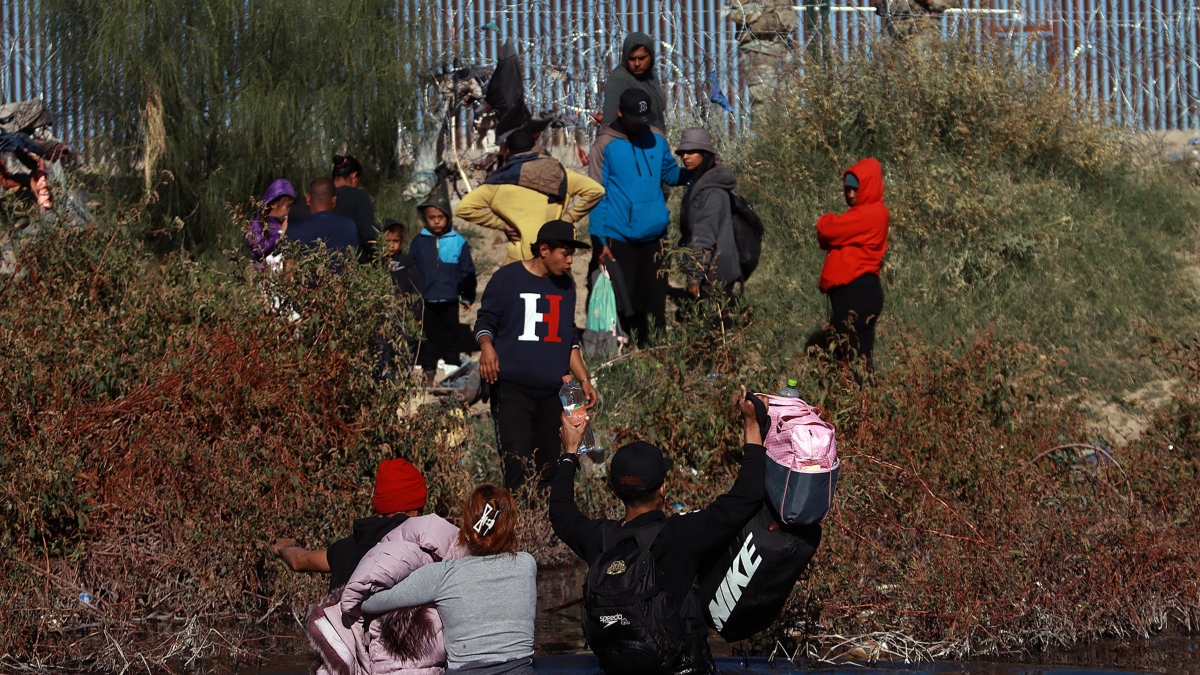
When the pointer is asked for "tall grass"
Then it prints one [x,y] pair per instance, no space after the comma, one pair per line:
[209,101]
[1010,205]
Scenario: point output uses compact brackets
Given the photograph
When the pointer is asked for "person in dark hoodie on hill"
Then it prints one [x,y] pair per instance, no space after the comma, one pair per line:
[635,72]
[528,342]
[631,161]
[705,217]
[443,257]
[856,242]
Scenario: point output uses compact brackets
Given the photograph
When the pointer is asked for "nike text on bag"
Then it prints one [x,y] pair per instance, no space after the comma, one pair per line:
[747,234]
[745,590]
[802,462]
[629,621]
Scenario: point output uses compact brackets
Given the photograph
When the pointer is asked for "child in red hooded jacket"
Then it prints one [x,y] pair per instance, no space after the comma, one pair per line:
[856,242]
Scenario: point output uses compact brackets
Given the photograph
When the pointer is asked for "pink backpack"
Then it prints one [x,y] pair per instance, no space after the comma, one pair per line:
[802,461]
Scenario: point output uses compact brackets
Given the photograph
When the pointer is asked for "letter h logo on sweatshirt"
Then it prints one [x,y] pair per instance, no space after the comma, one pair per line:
[531,321]
[550,318]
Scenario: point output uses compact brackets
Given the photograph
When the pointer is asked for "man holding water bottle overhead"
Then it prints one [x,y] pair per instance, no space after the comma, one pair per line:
[528,343]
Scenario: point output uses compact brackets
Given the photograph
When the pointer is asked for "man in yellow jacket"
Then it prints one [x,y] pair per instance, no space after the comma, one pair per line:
[529,190]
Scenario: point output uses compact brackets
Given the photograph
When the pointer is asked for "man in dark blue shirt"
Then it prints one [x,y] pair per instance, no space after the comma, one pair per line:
[528,341]
[338,234]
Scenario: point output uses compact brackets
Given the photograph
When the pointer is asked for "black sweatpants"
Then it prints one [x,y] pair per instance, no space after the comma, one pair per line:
[527,434]
[440,324]
[856,306]
[641,265]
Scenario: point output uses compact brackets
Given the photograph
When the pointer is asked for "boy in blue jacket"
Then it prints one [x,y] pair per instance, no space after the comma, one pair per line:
[443,257]
[632,160]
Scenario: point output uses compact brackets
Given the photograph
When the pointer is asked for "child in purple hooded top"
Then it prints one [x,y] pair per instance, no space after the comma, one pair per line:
[269,225]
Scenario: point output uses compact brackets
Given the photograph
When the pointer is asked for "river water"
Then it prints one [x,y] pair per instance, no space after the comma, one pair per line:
[560,650]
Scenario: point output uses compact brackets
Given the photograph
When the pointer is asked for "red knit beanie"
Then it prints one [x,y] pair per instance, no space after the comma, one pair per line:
[398,487]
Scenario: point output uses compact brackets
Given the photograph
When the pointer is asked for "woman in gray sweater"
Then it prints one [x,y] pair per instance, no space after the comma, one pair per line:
[705,218]
[486,600]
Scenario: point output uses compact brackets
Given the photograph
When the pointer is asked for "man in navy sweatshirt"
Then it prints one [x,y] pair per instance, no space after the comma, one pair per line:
[338,234]
[528,341]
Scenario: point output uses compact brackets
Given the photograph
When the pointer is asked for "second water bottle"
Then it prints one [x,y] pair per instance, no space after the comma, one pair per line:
[574,403]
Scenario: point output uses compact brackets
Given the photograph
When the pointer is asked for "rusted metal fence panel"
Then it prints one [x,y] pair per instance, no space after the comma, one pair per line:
[568,47]
[1135,61]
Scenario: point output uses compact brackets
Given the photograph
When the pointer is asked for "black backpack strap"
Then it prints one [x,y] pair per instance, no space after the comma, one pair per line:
[608,534]
[612,534]
[646,535]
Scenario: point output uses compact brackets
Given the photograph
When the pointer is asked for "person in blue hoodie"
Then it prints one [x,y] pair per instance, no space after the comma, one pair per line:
[632,160]
[443,257]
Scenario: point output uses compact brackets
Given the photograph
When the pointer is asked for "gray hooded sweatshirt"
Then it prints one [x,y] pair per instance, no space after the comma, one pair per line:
[621,79]
[706,221]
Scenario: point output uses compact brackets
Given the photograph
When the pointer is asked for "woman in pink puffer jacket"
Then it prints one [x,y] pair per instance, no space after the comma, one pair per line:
[405,641]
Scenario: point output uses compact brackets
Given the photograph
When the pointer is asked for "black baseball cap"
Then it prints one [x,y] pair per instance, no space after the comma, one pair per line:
[558,233]
[635,104]
[638,467]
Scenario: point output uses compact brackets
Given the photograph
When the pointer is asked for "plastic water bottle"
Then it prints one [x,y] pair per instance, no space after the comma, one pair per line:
[790,391]
[574,403]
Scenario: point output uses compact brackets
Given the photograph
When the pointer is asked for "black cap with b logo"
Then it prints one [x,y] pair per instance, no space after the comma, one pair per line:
[635,106]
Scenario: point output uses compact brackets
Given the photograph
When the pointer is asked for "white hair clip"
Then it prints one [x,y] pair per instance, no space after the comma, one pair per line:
[485,524]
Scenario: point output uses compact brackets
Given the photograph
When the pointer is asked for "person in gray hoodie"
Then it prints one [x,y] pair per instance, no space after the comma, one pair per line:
[705,217]
[635,72]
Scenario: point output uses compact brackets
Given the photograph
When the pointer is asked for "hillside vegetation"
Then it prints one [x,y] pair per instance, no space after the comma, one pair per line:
[1010,206]
[166,418]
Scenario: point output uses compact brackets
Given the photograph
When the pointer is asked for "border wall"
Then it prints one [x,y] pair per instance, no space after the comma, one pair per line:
[1134,61]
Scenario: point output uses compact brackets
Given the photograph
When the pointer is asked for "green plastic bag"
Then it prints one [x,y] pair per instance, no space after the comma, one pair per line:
[602,307]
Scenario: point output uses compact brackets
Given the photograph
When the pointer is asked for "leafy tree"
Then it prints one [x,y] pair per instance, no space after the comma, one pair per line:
[209,100]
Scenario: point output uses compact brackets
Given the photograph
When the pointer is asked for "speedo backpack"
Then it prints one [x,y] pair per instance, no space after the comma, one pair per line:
[747,234]
[629,621]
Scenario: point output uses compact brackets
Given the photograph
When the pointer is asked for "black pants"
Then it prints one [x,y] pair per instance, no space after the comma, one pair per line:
[594,261]
[641,265]
[697,656]
[441,335]
[526,433]
[689,307]
[856,306]
[593,265]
